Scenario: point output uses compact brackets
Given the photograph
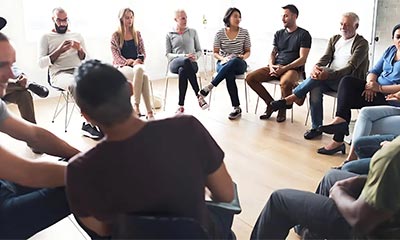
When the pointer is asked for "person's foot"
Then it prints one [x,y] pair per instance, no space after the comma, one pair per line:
[91,131]
[205,91]
[237,112]
[336,128]
[332,148]
[39,90]
[279,104]
[137,111]
[281,115]
[150,116]
[312,133]
[202,103]
[180,110]
[267,114]
[299,101]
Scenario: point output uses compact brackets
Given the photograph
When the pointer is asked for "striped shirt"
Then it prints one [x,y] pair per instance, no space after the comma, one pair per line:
[235,46]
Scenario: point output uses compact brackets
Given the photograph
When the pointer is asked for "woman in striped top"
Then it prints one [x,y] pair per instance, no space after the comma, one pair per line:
[231,48]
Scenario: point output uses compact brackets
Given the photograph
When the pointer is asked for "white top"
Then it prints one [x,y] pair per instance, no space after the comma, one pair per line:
[342,53]
[67,60]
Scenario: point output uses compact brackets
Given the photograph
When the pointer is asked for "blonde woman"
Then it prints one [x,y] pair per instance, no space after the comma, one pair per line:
[128,55]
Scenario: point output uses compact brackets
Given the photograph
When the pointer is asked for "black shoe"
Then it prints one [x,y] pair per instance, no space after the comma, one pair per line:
[267,114]
[39,90]
[204,92]
[341,148]
[277,105]
[281,115]
[237,112]
[339,128]
[91,131]
[312,133]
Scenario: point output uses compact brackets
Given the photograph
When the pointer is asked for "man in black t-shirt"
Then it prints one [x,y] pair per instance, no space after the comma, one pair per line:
[137,168]
[289,54]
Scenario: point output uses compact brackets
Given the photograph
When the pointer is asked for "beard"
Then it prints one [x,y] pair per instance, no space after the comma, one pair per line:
[61,29]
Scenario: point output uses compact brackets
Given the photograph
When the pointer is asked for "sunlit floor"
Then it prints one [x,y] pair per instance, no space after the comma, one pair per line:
[261,156]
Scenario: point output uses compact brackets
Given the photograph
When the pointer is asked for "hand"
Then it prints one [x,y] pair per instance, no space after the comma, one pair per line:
[191,56]
[372,85]
[319,73]
[384,143]
[369,95]
[279,70]
[65,46]
[129,62]
[393,97]
[225,60]
[352,186]
[75,45]
[22,80]
[137,61]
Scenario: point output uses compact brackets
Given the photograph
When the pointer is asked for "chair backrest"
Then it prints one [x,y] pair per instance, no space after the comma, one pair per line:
[129,226]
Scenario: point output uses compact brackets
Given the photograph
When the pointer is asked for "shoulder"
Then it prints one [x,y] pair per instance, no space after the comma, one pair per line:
[360,40]
[192,30]
[304,32]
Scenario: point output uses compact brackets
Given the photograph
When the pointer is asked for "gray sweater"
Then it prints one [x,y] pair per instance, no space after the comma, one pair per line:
[177,45]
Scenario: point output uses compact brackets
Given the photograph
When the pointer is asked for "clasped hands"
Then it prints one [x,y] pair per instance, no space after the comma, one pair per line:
[68,44]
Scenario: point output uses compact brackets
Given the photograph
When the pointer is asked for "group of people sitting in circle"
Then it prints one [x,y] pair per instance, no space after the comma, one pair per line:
[357,199]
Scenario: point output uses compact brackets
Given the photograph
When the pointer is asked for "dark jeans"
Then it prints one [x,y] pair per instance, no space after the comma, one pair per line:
[228,71]
[317,212]
[349,97]
[316,89]
[25,211]
[187,71]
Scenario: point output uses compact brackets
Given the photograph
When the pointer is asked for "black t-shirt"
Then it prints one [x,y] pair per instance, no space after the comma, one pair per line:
[289,44]
[161,169]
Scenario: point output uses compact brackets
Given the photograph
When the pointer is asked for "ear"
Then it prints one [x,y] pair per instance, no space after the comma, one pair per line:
[356,25]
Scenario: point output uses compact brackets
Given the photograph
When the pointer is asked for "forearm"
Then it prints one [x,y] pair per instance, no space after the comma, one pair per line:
[54,56]
[388,89]
[296,63]
[81,54]
[345,204]
[44,174]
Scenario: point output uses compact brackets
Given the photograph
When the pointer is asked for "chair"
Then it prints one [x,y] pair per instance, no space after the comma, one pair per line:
[329,93]
[169,75]
[277,82]
[68,99]
[136,226]
[238,77]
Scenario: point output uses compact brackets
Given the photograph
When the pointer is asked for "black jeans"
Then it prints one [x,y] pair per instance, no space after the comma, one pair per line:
[187,71]
[317,212]
[25,211]
[350,97]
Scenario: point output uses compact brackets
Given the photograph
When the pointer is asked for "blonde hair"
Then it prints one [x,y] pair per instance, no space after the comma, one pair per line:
[121,28]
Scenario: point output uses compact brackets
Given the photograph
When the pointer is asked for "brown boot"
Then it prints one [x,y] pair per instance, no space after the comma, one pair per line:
[281,115]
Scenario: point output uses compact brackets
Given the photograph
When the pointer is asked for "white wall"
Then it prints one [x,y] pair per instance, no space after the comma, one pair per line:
[96,20]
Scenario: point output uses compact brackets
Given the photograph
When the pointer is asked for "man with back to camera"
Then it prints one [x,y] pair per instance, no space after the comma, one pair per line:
[346,54]
[61,51]
[17,90]
[30,197]
[289,54]
[125,174]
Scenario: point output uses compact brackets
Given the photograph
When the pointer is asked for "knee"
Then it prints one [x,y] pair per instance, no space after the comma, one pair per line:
[287,84]
[139,69]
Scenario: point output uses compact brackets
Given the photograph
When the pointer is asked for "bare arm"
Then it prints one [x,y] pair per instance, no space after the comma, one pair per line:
[99,227]
[220,185]
[31,173]
[37,137]
[299,61]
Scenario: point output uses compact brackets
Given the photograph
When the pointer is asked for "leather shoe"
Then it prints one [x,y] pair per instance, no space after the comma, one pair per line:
[339,128]
[39,90]
[277,105]
[340,148]
[281,115]
[312,133]
[267,114]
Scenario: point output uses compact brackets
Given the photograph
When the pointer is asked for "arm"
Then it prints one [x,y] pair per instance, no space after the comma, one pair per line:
[31,173]
[118,59]
[220,185]
[197,46]
[170,55]
[358,213]
[141,49]
[328,55]
[97,226]
[299,61]
[37,137]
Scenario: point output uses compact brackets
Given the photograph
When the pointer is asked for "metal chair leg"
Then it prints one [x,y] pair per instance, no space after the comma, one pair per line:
[166,89]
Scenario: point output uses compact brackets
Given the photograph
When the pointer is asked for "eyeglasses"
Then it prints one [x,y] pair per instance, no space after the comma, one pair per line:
[60,21]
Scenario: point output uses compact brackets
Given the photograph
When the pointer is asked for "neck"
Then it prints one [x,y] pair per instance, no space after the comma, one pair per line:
[180,29]
[234,28]
[123,130]
[292,28]
[345,38]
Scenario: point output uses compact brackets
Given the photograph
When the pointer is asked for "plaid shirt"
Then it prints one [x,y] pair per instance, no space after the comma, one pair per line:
[118,59]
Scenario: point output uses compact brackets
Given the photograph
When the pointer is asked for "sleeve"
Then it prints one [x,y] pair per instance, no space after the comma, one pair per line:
[306,40]
[210,153]
[247,42]
[276,39]
[76,185]
[141,49]
[217,40]
[328,55]
[197,46]
[378,68]
[44,55]
[118,59]
[359,55]
[383,177]
[170,55]
[83,45]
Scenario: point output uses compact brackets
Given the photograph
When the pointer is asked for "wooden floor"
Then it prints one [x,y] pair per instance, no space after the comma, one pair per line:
[261,156]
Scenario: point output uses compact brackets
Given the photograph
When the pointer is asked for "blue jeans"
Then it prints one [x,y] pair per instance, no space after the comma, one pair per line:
[360,166]
[228,71]
[316,89]
[25,211]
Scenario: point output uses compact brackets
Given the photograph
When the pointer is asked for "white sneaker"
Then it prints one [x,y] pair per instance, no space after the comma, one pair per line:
[202,103]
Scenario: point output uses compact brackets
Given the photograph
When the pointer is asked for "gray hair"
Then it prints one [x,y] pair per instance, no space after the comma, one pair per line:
[352,15]
[58,9]
[179,10]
